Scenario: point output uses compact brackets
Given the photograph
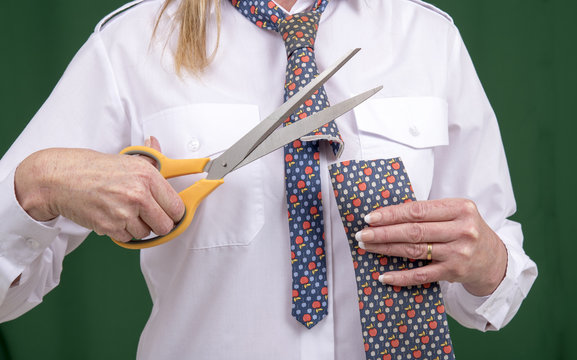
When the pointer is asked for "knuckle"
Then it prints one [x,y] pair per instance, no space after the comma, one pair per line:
[99,231]
[164,228]
[107,229]
[420,276]
[120,216]
[417,210]
[122,237]
[413,277]
[136,196]
[465,253]
[391,214]
[145,174]
[112,224]
[415,251]
[459,273]
[470,231]
[416,233]
[468,207]
[403,277]
[140,233]
[456,270]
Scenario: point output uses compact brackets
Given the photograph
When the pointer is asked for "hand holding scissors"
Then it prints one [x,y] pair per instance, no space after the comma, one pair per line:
[261,140]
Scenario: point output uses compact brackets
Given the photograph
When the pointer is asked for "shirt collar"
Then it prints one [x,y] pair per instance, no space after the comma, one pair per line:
[300,6]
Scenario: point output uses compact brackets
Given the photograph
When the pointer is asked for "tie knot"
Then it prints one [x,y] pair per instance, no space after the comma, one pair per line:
[299,30]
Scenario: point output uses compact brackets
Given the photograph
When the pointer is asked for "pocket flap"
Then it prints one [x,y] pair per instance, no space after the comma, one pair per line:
[198,130]
[419,122]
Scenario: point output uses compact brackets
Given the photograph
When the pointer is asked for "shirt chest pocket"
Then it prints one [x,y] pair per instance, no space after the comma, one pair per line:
[406,127]
[233,214]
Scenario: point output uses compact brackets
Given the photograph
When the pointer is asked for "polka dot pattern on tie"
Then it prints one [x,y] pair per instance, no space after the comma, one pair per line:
[398,322]
[303,186]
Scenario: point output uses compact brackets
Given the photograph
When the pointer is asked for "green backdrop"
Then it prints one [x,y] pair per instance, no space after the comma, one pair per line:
[524,51]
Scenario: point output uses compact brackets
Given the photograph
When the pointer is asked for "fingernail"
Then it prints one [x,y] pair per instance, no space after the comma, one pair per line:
[385,278]
[373,217]
[364,235]
[147,142]
[361,244]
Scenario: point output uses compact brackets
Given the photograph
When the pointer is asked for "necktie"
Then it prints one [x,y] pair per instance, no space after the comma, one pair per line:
[398,322]
[302,180]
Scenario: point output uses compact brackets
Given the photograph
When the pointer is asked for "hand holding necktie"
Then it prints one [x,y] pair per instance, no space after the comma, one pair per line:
[462,247]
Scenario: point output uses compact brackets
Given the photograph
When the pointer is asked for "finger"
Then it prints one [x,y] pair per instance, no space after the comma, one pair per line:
[120,235]
[154,143]
[418,276]
[439,251]
[420,211]
[157,218]
[137,228]
[148,143]
[414,233]
[167,199]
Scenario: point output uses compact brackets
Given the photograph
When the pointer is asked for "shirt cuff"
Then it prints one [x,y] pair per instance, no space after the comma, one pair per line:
[505,301]
[494,311]
[22,239]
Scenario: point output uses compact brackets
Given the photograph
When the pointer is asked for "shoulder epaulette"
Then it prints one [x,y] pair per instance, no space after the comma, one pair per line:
[433,8]
[115,13]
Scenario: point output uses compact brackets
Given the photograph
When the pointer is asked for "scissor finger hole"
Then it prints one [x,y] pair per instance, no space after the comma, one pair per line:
[154,160]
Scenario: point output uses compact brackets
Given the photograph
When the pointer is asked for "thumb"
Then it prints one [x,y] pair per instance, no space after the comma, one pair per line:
[152,142]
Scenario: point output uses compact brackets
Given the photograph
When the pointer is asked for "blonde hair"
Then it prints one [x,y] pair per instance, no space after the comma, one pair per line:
[192,22]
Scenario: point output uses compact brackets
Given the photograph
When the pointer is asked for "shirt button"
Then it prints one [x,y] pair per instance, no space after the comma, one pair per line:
[193,145]
[413,130]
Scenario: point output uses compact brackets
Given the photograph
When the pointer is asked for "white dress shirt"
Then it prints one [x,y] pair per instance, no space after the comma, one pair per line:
[222,290]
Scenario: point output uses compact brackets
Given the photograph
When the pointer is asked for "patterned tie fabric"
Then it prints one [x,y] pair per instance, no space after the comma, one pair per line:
[398,322]
[302,172]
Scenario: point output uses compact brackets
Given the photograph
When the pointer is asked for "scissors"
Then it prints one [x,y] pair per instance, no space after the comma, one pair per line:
[261,140]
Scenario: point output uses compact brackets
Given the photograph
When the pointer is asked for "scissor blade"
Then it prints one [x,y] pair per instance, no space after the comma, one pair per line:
[300,128]
[229,160]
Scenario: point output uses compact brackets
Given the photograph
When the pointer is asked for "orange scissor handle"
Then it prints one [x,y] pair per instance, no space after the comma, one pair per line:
[168,167]
[191,196]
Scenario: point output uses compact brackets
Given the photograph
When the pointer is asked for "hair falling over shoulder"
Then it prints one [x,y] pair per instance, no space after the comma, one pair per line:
[192,18]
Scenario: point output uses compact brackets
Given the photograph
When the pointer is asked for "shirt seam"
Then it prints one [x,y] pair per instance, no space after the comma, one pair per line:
[115,87]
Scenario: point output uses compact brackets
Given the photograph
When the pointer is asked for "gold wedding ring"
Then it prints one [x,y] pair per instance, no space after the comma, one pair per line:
[429,251]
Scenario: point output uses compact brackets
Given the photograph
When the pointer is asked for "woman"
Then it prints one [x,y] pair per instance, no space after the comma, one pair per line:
[223,287]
